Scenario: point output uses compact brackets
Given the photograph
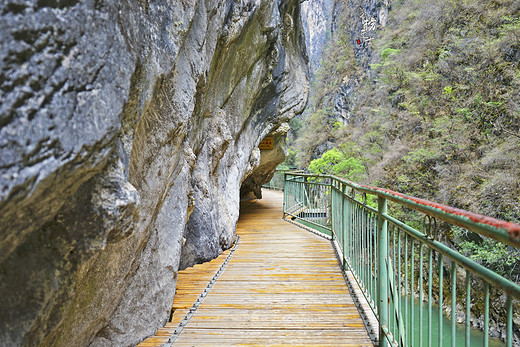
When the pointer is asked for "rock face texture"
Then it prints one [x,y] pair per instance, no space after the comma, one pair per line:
[317,17]
[126,130]
[252,186]
[360,19]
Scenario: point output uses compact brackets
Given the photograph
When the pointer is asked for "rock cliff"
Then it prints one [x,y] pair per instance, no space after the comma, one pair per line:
[340,38]
[126,130]
[360,19]
[317,17]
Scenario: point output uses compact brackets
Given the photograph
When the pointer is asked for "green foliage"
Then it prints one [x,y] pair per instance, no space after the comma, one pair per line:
[435,111]
[296,125]
[497,256]
[448,91]
[337,125]
[420,155]
[290,159]
[388,52]
[334,162]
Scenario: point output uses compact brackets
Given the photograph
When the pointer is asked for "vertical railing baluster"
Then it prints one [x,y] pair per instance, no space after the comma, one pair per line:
[441,285]
[382,225]
[355,250]
[453,302]
[509,307]
[344,225]
[375,268]
[371,237]
[364,247]
[468,306]
[412,291]
[369,243]
[343,222]
[360,249]
[400,277]
[369,223]
[430,259]
[421,294]
[355,236]
[486,314]
[407,322]
[348,233]
[394,321]
[364,253]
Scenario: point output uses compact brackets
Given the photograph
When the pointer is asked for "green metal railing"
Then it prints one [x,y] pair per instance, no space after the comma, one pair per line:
[277,180]
[402,268]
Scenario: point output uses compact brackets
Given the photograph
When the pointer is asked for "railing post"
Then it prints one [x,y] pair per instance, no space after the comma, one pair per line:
[284,194]
[343,226]
[333,209]
[383,303]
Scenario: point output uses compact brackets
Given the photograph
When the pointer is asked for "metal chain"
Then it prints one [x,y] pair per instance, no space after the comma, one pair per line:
[199,300]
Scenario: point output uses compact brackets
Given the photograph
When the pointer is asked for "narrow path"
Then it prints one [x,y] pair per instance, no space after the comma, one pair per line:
[282,286]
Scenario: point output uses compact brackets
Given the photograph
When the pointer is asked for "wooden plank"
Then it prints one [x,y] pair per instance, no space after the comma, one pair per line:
[283,286]
[190,283]
[270,337]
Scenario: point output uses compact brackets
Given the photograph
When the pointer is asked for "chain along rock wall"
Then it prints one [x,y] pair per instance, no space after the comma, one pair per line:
[126,129]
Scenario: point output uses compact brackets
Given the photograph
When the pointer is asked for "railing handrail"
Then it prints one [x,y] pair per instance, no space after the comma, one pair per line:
[383,269]
[499,230]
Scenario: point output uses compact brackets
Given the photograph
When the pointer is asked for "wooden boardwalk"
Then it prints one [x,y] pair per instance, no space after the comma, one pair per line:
[282,286]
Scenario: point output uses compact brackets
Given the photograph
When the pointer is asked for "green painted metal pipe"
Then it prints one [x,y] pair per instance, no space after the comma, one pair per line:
[362,228]
[441,289]
[453,303]
[421,294]
[468,305]
[509,307]
[382,230]
[487,275]
[486,315]
[500,230]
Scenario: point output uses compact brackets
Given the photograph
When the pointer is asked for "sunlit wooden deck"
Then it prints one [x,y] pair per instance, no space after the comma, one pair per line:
[282,286]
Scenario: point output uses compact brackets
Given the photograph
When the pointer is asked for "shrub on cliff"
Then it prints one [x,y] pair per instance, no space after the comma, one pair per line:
[441,98]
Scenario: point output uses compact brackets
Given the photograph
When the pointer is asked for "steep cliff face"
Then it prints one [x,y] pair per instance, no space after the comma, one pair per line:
[269,158]
[344,49]
[360,19]
[317,18]
[126,130]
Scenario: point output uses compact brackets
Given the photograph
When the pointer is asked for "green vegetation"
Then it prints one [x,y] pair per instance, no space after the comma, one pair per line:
[434,113]
[337,163]
[503,259]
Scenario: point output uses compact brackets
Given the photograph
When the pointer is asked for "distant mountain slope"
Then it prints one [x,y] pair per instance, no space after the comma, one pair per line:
[428,102]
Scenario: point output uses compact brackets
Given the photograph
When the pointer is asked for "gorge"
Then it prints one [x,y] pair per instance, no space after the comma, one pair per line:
[130,131]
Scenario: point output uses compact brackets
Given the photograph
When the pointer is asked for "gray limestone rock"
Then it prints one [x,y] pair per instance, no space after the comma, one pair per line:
[127,127]
[269,158]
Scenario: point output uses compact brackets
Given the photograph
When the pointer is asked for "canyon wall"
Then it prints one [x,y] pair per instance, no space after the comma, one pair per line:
[360,20]
[317,17]
[126,130]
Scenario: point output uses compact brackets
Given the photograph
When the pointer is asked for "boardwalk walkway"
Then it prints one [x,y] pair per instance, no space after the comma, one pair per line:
[282,286]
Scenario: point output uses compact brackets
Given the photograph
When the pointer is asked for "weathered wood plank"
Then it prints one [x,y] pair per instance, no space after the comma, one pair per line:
[283,286]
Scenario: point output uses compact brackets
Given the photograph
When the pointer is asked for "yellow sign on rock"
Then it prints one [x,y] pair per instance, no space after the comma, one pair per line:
[267,143]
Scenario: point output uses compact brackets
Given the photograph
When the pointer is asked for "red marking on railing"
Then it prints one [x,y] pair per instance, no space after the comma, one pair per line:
[358,41]
[512,229]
